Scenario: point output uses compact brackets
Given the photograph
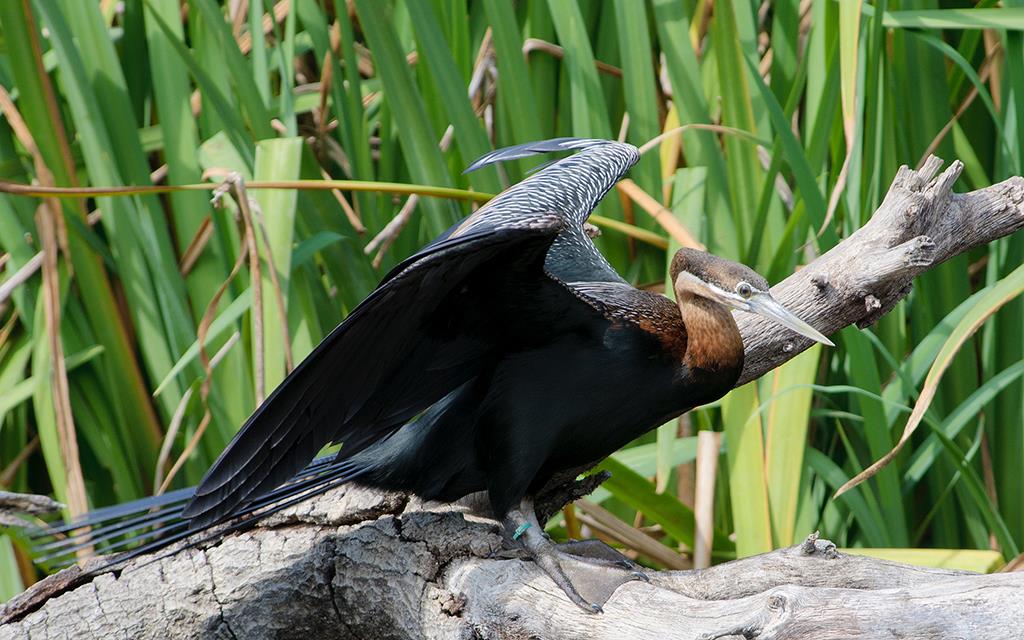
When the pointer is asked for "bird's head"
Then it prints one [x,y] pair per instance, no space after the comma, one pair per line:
[737,286]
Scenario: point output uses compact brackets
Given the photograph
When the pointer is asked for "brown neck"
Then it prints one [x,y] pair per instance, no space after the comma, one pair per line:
[713,340]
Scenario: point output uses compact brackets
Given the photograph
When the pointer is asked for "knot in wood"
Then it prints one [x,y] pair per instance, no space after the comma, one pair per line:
[1014,191]
[920,252]
[453,604]
[814,545]
[808,545]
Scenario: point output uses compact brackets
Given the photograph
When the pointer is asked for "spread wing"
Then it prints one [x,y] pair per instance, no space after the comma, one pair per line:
[417,337]
[413,339]
[573,187]
[398,352]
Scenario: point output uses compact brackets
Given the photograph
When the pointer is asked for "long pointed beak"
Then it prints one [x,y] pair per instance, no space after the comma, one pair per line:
[768,307]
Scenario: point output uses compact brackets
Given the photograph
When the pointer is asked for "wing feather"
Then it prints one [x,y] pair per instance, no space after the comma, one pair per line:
[528,149]
[344,388]
[399,352]
[380,367]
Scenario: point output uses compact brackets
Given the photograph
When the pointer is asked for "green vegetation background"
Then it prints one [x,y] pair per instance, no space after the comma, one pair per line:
[807,101]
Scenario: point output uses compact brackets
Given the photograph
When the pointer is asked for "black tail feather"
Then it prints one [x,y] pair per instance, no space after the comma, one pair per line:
[246,521]
[109,531]
[161,524]
[117,511]
[151,510]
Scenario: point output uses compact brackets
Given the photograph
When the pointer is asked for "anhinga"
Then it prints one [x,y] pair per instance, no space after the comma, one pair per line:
[504,352]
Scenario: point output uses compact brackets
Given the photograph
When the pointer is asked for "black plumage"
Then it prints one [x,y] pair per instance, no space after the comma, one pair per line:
[504,352]
[462,320]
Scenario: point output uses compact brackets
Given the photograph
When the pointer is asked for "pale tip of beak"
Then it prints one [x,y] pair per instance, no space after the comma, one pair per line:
[767,306]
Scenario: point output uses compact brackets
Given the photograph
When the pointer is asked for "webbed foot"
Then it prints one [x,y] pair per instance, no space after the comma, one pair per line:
[588,571]
[598,553]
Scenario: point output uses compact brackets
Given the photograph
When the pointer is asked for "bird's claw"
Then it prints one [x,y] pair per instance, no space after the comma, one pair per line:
[588,571]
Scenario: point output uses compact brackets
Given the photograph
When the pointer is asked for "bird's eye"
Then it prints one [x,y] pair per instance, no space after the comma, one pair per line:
[744,289]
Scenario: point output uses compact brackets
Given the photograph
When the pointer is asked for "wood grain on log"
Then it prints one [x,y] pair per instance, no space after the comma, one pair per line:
[358,563]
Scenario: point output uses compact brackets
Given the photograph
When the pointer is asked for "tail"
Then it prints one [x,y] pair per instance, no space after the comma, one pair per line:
[155,524]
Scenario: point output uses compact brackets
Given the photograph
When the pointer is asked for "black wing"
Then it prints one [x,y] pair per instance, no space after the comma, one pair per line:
[404,347]
[400,351]
[397,353]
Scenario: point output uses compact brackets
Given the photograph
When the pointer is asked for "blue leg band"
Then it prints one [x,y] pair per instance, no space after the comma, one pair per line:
[521,530]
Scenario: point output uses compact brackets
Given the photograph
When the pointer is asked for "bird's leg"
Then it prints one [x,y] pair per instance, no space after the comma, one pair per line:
[523,527]
[588,582]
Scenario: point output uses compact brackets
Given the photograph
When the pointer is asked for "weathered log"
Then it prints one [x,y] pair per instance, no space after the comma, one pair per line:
[358,563]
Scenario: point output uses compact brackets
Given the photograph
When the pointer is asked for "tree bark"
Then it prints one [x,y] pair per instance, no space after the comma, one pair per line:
[359,563]
[920,224]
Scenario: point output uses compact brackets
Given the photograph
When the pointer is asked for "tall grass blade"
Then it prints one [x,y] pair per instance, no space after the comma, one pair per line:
[745,457]
[1004,291]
